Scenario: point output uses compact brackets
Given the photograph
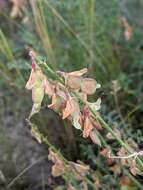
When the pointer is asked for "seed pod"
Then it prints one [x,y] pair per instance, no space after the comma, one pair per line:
[88,86]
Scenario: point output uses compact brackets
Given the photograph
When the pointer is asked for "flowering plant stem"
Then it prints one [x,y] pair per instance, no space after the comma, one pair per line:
[50,73]
[53,148]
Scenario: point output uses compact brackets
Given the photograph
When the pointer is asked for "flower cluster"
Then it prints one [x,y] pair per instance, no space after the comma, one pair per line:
[69,98]
[74,171]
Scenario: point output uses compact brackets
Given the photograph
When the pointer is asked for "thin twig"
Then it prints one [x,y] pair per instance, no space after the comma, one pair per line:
[25,170]
[135,154]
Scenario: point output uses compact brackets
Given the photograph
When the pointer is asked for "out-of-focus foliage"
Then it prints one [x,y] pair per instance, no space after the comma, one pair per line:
[72,35]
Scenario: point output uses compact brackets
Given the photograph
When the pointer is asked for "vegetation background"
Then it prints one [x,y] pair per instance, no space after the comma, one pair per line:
[104,36]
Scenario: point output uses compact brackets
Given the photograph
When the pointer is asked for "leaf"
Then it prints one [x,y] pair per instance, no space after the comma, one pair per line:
[71,107]
[94,137]
[88,86]
[87,127]
[95,106]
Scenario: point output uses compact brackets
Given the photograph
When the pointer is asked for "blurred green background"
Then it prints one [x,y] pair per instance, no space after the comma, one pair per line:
[71,35]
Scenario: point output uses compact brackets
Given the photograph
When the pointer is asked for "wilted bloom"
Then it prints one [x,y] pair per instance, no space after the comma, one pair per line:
[90,126]
[63,98]
[39,85]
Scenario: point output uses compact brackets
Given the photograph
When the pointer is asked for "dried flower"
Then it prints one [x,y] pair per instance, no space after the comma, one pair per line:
[63,100]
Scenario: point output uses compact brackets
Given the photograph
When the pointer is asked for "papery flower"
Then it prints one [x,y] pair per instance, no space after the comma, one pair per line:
[80,170]
[90,126]
[88,86]
[71,107]
[59,167]
[70,99]
[73,79]
[39,85]
[59,99]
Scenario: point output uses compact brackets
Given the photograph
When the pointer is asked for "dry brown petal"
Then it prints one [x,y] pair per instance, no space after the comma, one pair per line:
[54,101]
[133,168]
[94,137]
[88,86]
[62,94]
[78,73]
[58,103]
[71,107]
[31,81]
[83,96]
[74,82]
[81,169]
[36,78]
[87,127]
[96,124]
[48,88]
[70,187]
[58,168]
[53,156]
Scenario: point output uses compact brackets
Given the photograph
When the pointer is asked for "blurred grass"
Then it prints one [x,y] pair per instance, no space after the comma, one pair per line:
[72,35]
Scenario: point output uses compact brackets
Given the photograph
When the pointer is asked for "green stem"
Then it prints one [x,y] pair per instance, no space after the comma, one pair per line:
[45,140]
[97,116]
